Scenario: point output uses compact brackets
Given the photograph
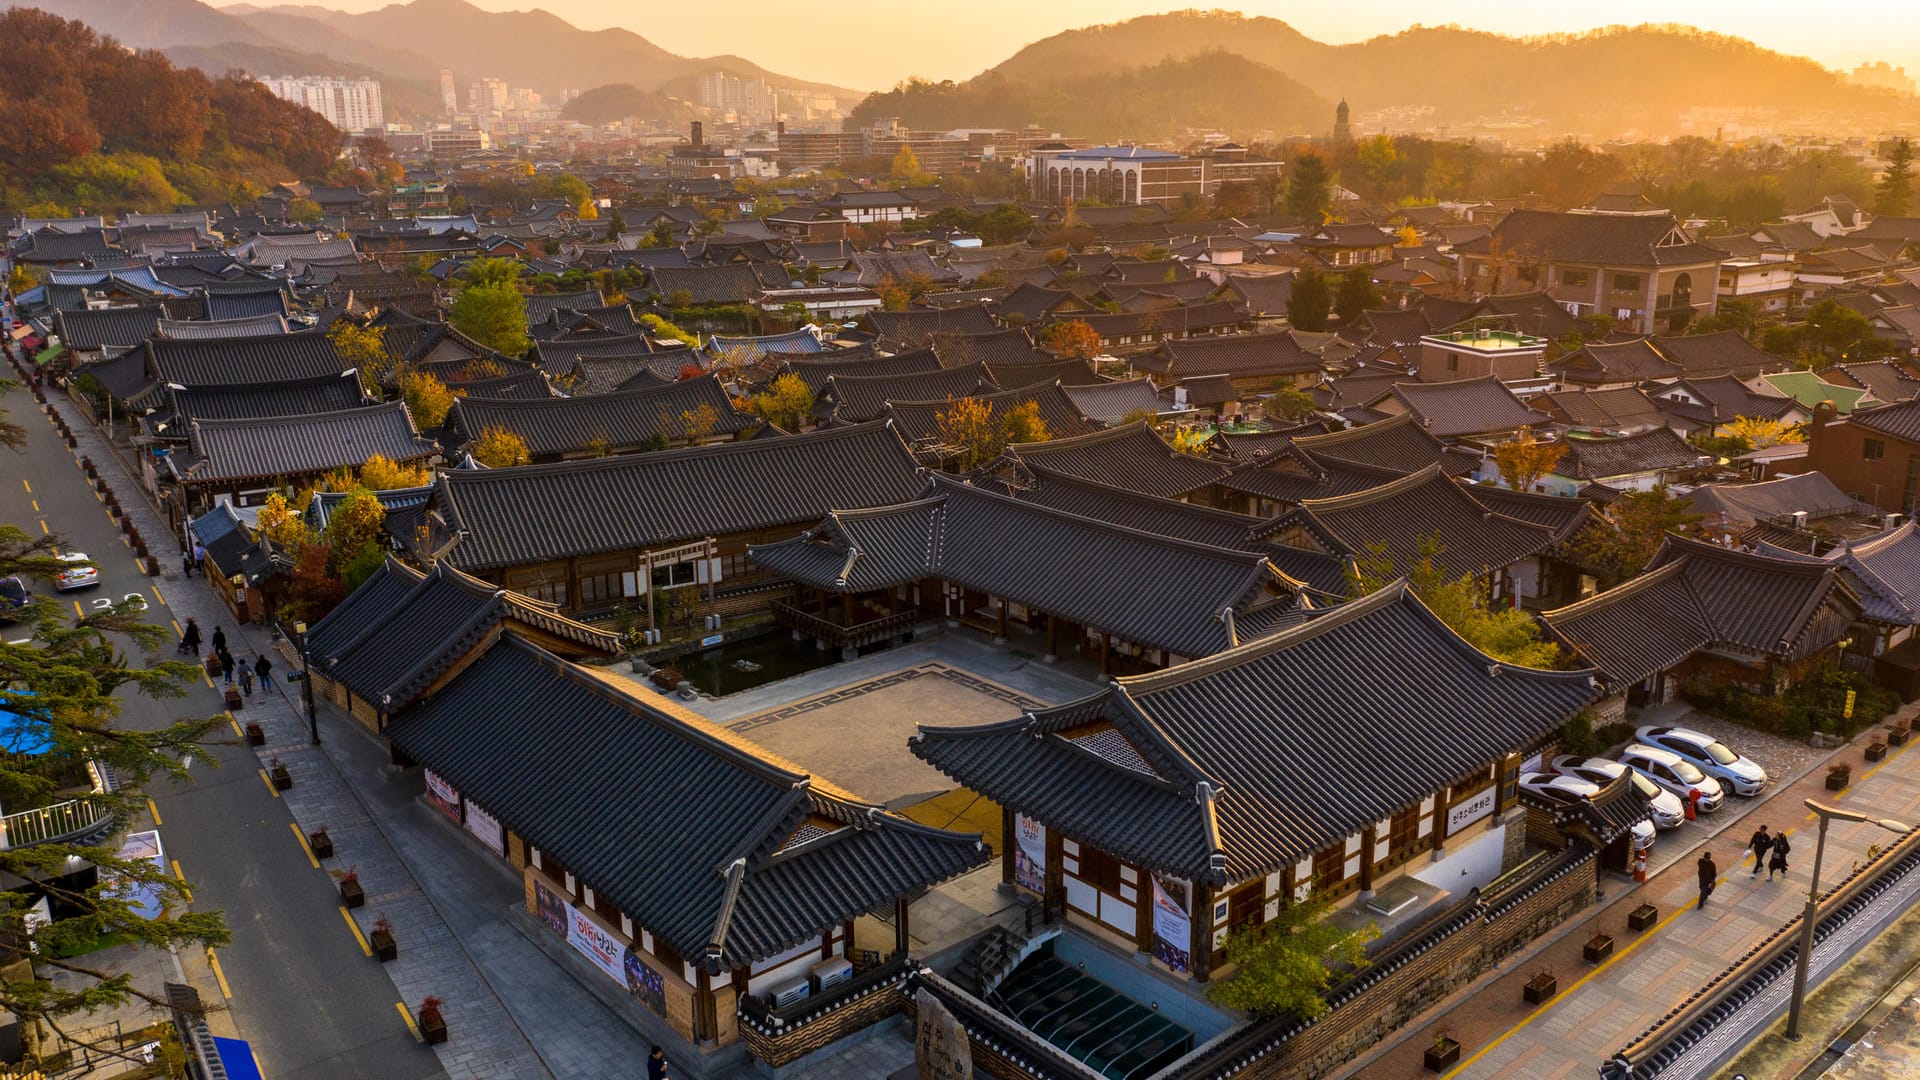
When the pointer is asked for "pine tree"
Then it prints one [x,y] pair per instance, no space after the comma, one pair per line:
[1309,190]
[1894,195]
[1308,305]
[1357,294]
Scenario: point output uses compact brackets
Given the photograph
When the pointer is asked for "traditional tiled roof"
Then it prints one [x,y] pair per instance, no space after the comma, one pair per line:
[291,446]
[1883,570]
[623,421]
[858,398]
[230,361]
[729,283]
[101,328]
[815,371]
[508,517]
[1224,779]
[1901,420]
[919,421]
[1110,403]
[742,878]
[1773,500]
[1619,408]
[1210,317]
[203,329]
[750,350]
[1696,595]
[1623,361]
[1243,356]
[1600,239]
[1562,514]
[1145,588]
[1395,521]
[1132,456]
[327,393]
[1608,813]
[1726,399]
[1008,348]
[898,331]
[224,306]
[1397,445]
[1450,410]
[1727,352]
[1650,451]
[515,385]
[1031,304]
[541,306]
[1064,372]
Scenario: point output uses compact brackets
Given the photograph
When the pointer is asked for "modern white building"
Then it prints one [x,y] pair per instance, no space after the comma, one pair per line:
[348,104]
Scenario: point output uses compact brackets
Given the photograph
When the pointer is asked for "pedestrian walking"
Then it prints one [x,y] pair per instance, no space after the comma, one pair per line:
[263,667]
[1778,861]
[246,680]
[190,639]
[219,639]
[1761,843]
[657,1064]
[199,556]
[1709,873]
[226,665]
[186,563]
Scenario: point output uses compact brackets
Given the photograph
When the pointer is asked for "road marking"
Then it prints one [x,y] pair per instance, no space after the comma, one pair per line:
[408,1017]
[267,780]
[219,976]
[209,678]
[77,610]
[157,597]
[154,810]
[178,873]
[236,726]
[177,631]
[26,485]
[355,927]
[44,531]
[304,846]
[256,1063]
[36,505]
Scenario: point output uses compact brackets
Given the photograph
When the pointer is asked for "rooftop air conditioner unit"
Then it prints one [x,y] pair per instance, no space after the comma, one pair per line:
[829,973]
[788,993]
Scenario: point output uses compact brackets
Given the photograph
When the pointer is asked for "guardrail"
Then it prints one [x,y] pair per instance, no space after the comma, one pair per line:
[781,1036]
[854,636]
[49,824]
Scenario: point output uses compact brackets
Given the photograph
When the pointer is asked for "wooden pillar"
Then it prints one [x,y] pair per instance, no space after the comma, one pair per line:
[902,907]
[1202,945]
[703,1007]
[1367,839]
[1009,844]
[646,582]
[1440,800]
[1106,653]
[1143,913]
[1056,872]
[1504,770]
[1053,633]
[1002,634]
[573,584]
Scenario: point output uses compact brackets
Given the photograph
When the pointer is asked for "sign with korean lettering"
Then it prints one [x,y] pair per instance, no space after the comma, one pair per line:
[442,795]
[1472,809]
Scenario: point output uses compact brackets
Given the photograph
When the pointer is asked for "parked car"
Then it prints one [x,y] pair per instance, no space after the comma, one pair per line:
[79,574]
[1668,811]
[1710,756]
[1566,786]
[14,598]
[1675,773]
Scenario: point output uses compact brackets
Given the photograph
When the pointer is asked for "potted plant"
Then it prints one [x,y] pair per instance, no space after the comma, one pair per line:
[256,735]
[1876,750]
[1838,776]
[1899,731]
[383,947]
[1443,1052]
[321,843]
[433,1026]
[351,893]
[1541,987]
[668,677]
[282,779]
[1643,917]
[1597,948]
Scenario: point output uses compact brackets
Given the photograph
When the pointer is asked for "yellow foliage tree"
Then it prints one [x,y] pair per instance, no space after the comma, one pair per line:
[362,347]
[1074,339]
[359,521]
[975,434]
[284,526]
[1761,433]
[1024,424]
[498,448]
[427,398]
[1524,459]
[786,403]
[381,473]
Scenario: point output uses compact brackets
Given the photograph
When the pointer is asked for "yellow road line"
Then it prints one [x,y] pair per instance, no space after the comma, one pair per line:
[26,485]
[408,1017]
[219,976]
[157,597]
[177,630]
[209,678]
[44,531]
[256,1064]
[77,610]
[154,810]
[267,780]
[36,505]
[236,726]
[178,873]
[355,927]
[304,846]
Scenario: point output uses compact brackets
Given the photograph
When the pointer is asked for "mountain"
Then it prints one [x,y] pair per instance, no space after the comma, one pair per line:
[412,41]
[606,104]
[1605,83]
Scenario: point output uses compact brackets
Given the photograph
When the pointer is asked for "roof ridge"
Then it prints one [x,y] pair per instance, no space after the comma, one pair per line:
[1250,558]
[619,462]
[612,397]
[1367,496]
[308,419]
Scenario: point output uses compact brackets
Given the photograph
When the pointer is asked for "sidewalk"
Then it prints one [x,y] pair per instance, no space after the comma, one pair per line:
[511,1012]
[1599,1009]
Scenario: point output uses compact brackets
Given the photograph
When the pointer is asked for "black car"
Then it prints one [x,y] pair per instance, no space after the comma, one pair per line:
[14,598]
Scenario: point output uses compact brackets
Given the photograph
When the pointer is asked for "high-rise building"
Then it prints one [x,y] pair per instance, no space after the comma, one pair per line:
[449,96]
[348,104]
[750,98]
[488,96]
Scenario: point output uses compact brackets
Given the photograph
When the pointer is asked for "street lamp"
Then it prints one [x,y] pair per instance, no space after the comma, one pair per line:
[306,685]
[1812,915]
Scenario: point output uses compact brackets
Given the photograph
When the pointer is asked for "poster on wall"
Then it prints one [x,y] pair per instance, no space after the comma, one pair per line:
[1172,926]
[1030,854]
[550,907]
[487,828]
[443,796]
[590,941]
[644,983]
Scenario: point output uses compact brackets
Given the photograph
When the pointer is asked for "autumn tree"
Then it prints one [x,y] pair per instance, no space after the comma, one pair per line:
[975,433]
[1283,965]
[1290,403]
[304,212]
[283,525]
[1309,190]
[1377,157]
[1309,302]
[427,398]
[363,349]
[616,224]
[381,473]
[1508,634]
[490,308]
[906,171]
[1357,294]
[1618,549]
[693,425]
[787,403]
[357,521]
[1525,459]
[1072,339]
[1893,196]
[1024,424]
[498,448]
[1760,433]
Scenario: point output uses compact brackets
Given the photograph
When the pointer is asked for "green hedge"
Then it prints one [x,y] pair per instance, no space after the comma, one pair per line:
[1813,705]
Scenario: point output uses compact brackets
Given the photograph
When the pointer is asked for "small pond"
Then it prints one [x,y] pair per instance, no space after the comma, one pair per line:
[769,657]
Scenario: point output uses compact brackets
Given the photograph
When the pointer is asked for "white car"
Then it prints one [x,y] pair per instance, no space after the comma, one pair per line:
[1710,756]
[1675,773]
[79,574]
[1567,787]
[1668,811]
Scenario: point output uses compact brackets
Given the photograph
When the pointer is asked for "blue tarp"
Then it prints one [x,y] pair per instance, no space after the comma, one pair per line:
[237,1056]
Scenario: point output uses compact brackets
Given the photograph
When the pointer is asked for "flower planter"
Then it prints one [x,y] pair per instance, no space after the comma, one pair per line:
[212,662]
[282,779]
[1442,1055]
[1876,751]
[1643,917]
[351,893]
[1539,989]
[321,843]
[1597,948]
[235,701]
[256,735]
[1897,734]
[1837,778]
[384,950]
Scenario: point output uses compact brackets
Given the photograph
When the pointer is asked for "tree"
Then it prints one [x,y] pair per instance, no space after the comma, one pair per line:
[1309,302]
[1893,196]
[658,327]
[498,448]
[1023,424]
[1139,415]
[313,588]
[694,425]
[1509,635]
[1641,520]
[660,236]
[787,403]
[1731,313]
[492,311]
[906,171]
[1377,156]
[1286,963]
[1309,190]
[1357,294]
[284,526]
[969,434]
[1524,459]
[427,398]
[1290,403]
[1834,329]
[304,211]
[66,681]
[364,350]
[382,473]
[358,520]
[1760,433]
[1074,339]
[616,224]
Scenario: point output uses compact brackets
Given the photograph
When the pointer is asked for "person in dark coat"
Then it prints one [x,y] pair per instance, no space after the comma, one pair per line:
[1761,843]
[219,639]
[263,668]
[226,666]
[1778,860]
[190,639]
[1709,873]
[657,1064]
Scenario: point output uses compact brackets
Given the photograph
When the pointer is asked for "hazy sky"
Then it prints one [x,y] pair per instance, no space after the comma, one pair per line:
[875,43]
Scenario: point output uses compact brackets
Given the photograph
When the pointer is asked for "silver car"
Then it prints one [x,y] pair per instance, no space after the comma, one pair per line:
[1676,774]
[1667,809]
[1710,756]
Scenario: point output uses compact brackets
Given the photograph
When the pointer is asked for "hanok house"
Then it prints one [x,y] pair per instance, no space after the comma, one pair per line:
[1883,570]
[248,459]
[1478,411]
[1174,808]
[1645,271]
[1132,456]
[1130,600]
[590,535]
[1630,463]
[1701,611]
[691,868]
[1258,364]
[920,423]
[690,412]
